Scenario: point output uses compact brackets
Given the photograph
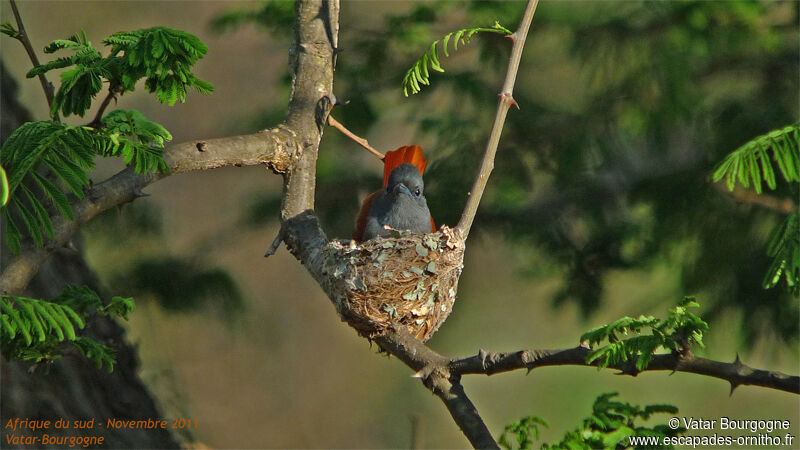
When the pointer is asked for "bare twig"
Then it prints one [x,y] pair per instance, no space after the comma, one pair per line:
[781,205]
[112,95]
[736,373]
[506,100]
[26,42]
[358,140]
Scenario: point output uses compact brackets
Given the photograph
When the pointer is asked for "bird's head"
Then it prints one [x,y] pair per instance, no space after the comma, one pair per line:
[406,179]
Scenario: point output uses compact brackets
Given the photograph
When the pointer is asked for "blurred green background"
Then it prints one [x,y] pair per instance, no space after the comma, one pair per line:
[600,206]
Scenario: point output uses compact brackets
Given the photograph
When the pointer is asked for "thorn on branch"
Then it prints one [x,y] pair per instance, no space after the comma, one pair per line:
[734,385]
[138,193]
[508,98]
[512,36]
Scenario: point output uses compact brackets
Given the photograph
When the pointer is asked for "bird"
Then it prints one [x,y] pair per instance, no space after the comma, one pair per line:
[401,203]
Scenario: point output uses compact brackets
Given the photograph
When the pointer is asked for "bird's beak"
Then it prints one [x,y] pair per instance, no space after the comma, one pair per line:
[402,187]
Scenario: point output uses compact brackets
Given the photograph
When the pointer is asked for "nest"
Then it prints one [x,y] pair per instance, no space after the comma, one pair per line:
[405,280]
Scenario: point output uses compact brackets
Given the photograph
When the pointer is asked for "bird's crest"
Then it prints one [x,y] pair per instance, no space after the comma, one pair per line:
[406,154]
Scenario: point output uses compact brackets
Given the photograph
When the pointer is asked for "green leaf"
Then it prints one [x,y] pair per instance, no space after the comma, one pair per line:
[418,73]
[55,195]
[59,63]
[4,189]
[12,233]
[9,30]
[120,307]
[36,324]
[751,162]
[29,220]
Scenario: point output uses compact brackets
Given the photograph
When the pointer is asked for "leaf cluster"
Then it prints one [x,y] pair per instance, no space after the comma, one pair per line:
[162,56]
[784,248]
[676,333]
[67,151]
[524,431]
[418,74]
[34,330]
[752,162]
[611,425]
[136,139]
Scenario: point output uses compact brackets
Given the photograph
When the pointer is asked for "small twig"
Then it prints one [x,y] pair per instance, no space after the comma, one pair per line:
[26,42]
[783,206]
[360,141]
[275,243]
[112,95]
[506,100]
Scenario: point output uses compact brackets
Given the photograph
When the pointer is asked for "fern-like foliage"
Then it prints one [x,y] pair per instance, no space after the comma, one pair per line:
[136,139]
[34,330]
[418,75]
[161,55]
[521,432]
[611,425]
[675,333]
[784,248]
[68,151]
[80,84]
[752,161]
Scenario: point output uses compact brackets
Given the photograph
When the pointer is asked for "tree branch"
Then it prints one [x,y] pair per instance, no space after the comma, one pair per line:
[433,369]
[736,373]
[26,42]
[506,100]
[311,59]
[274,147]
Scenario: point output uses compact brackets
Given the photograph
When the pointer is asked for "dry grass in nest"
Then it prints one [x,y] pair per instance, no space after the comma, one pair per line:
[408,279]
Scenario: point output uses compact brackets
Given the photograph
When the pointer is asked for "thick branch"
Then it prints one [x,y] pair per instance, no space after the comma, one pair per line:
[506,100]
[26,42]
[311,59]
[735,373]
[273,147]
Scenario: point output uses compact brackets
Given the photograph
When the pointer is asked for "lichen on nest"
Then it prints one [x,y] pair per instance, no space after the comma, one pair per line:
[406,279]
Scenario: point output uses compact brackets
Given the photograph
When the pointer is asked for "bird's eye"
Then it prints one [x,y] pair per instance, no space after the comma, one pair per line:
[416,192]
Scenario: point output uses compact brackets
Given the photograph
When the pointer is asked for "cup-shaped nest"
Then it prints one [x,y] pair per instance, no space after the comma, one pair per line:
[408,280]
